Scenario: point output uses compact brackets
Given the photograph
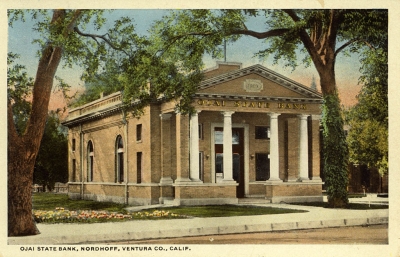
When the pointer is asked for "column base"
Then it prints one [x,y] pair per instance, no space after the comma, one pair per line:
[166,181]
[316,179]
[187,181]
[273,181]
[196,181]
[303,179]
[182,181]
[228,181]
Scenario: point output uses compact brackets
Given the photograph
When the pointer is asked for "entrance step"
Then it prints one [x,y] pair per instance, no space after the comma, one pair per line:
[169,202]
[253,201]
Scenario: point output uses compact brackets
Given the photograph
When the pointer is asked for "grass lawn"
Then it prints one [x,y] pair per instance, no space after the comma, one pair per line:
[226,210]
[50,201]
[57,208]
[350,206]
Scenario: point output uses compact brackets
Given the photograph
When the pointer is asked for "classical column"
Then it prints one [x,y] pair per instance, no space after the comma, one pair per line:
[274,148]
[194,146]
[315,148]
[182,149]
[166,148]
[227,146]
[303,156]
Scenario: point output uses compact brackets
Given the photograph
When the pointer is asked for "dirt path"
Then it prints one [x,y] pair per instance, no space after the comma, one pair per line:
[376,234]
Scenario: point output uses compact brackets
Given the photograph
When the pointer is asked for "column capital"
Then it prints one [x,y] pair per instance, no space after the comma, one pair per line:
[227,113]
[165,116]
[274,115]
[195,113]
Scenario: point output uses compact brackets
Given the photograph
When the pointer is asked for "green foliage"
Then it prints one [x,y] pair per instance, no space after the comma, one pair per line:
[350,206]
[19,89]
[335,152]
[227,210]
[52,160]
[368,119]
[50,201]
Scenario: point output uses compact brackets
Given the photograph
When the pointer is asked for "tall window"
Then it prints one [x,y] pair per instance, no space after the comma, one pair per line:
[73,145]
[119,159]
[262,166]
[139,167]
[201,135]
[73,170]
[201,165]
[90,160]
[139,132]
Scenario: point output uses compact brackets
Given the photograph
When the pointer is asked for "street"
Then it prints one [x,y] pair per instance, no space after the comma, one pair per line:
[374,234]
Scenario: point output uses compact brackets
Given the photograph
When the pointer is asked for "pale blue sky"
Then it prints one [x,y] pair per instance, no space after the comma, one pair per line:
[347,69]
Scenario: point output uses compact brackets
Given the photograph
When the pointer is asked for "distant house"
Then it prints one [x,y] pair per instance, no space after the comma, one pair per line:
[255,135]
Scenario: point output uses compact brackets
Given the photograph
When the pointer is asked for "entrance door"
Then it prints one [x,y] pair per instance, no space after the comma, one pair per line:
[237,156]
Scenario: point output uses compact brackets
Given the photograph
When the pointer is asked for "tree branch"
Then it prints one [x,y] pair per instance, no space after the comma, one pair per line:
[260,35]
[305,38]
[71,25]
[351,42]
[103,37]
[345,45]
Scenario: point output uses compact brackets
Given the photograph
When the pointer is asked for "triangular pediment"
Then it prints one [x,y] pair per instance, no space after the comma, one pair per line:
[256,81]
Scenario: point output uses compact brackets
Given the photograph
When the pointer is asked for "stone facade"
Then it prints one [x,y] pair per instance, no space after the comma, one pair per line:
[255,134]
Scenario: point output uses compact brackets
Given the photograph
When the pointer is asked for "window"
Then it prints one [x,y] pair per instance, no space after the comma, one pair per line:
[219,163]
[119,159]
[201,136]
[90,160]
[236,167]
[219,137]
[262,166]
[201,165]
[139,132]
[139,167]
[73,145]
[73,175]
[262,132]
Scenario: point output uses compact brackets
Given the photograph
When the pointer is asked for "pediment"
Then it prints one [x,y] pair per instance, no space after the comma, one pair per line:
[256,81]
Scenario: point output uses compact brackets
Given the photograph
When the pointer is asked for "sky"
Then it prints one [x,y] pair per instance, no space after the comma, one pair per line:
[20,38]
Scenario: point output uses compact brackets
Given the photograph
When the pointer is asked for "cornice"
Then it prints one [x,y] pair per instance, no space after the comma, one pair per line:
[228,97]
[266,73]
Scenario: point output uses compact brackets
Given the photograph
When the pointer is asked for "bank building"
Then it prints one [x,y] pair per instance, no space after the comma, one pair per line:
[255,134]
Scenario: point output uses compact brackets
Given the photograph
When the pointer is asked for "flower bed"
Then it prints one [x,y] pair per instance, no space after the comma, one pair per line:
[60,215]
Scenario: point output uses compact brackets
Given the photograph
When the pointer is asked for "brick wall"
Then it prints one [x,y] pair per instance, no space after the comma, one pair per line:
[293,190]
[189,192]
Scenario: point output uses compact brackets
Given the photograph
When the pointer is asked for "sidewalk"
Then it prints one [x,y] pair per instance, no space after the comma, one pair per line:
[149,229]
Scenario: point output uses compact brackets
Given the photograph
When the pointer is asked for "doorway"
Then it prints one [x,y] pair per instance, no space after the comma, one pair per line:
[238,162]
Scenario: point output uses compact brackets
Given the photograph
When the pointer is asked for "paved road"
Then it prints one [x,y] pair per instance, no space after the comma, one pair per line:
[374,234]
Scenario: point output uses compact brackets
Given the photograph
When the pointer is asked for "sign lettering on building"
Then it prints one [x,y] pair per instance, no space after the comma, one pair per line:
[250,104]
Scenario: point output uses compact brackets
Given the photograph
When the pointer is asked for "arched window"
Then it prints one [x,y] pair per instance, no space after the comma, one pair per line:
[90,161]
[119,159]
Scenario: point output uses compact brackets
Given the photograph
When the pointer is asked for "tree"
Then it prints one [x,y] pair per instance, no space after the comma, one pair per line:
[67,37]
[368,119]
[319,34]
[52,160]
[51,163]
[60,40]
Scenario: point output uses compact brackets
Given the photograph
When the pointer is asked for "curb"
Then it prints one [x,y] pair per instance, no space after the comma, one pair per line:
[199,231]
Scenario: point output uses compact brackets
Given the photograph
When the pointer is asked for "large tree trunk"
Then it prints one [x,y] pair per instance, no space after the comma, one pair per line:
[335,146]
[23,149]
[20,175]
